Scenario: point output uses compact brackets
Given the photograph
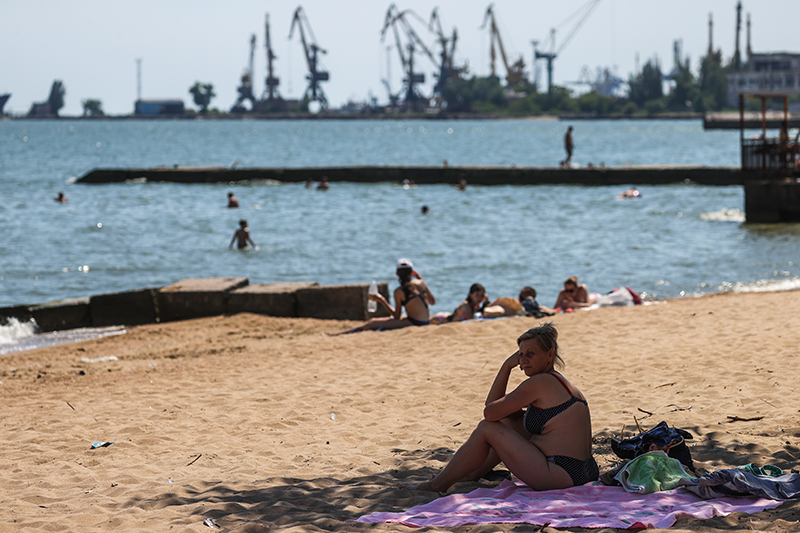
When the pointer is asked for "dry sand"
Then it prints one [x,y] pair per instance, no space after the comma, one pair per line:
[263,424]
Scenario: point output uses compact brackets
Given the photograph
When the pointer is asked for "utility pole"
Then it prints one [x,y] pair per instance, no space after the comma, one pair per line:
[749,50]
[710,35]
[737,58]
[138,79]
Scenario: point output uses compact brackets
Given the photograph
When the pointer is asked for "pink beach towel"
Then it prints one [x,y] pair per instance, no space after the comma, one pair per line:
[593,506]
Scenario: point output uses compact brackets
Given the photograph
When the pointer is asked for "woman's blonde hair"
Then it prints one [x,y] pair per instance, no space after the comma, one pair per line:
[546,337]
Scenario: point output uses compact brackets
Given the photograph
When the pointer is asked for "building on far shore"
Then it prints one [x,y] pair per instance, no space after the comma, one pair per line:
[765,73]
[158,107]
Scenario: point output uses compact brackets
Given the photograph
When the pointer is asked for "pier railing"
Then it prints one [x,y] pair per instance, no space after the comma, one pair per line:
[768,155]
[767,158]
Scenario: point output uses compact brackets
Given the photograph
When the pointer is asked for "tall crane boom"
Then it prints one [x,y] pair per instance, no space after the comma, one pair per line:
[396,20]
[408,41]
[314,76]
[245,89]
[448,71]
[272,82]
[515,74]
[582,14]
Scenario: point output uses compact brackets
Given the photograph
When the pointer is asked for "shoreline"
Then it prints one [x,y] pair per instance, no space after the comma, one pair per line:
[263,424]
[365,116]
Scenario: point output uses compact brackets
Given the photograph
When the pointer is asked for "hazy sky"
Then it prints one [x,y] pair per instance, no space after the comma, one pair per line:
[92,45]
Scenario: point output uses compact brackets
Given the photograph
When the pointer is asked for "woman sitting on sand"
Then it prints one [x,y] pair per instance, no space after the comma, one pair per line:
[412,294]
[548,444]
[573,295]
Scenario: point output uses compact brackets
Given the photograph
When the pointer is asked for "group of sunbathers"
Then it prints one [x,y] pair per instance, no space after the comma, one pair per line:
[415,296]
[541,430]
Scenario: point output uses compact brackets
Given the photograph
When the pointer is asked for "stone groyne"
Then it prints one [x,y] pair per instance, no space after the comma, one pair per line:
[195,298]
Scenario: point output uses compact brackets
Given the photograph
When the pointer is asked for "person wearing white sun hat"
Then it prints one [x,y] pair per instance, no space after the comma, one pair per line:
[413,294]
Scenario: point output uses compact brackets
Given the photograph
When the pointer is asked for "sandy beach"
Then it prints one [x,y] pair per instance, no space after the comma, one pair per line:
[264,424]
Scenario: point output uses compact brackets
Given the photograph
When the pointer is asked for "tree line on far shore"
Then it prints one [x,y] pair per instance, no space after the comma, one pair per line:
[646,95]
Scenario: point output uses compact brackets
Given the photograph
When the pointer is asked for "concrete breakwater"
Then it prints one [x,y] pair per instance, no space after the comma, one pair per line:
[195,298]
[593,176]
[752,120]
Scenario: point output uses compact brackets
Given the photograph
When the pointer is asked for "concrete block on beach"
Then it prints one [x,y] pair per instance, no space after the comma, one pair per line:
[273,299]
[127,308]
[63,314]
[194,298]
[340,302]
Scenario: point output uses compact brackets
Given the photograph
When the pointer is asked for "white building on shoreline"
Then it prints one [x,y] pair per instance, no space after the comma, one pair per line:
[765,73]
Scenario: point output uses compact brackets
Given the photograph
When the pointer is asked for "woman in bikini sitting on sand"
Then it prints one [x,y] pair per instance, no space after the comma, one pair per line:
[412,294]
[541,431]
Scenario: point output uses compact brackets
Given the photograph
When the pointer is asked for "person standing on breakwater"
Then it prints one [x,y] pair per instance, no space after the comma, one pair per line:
[412,294]
[568,146]
[232,201]
[242,236]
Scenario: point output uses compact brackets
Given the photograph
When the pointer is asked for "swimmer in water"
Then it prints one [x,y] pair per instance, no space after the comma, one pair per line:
[630,193]
[242,236]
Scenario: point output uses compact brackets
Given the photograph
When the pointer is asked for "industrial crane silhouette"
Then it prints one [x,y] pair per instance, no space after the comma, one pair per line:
[314,92]
[400,21]
[396,20]
[271,85]
[582,13]
[515,74]
[448,71]
[245,89]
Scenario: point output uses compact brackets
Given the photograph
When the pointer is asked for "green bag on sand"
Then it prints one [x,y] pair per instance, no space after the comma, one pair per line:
[653,472]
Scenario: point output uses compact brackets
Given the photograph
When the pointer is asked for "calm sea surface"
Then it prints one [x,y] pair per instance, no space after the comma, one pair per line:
[675,241]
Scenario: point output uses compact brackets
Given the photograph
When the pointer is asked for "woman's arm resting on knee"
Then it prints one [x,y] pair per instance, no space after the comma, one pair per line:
[495,409]
[512,404]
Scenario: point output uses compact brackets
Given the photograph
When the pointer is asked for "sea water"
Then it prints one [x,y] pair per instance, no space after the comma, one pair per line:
[675,241]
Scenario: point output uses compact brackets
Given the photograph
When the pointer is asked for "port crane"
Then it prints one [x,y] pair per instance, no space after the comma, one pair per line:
[582,13]
[393,97]
[272,82]
[400,22]
[448,71]
[314,91]
[245,89]
[515,73]
[604,82]
[396,20]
